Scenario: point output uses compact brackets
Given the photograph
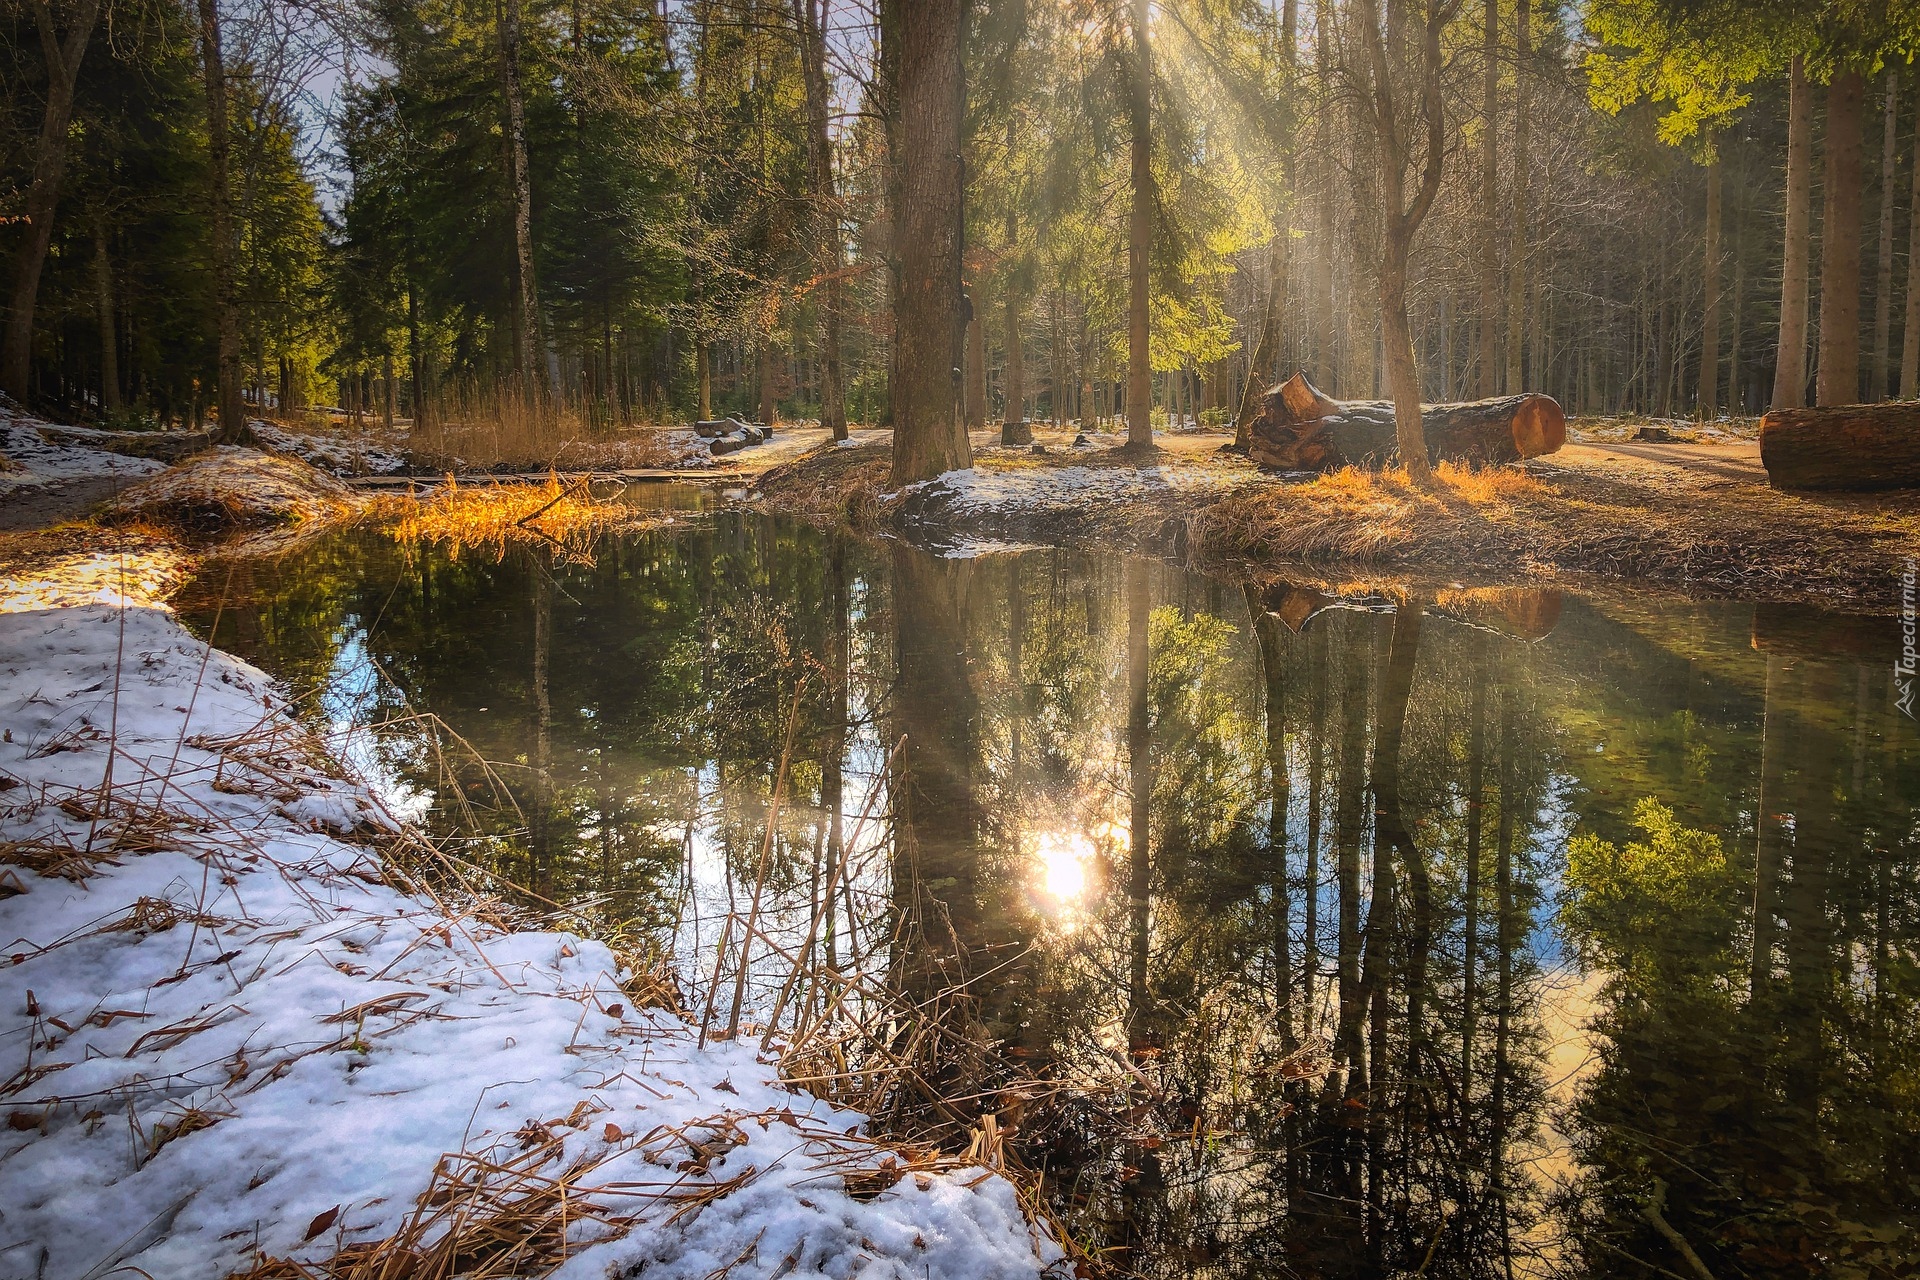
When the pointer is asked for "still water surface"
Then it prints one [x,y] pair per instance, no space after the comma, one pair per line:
[1502,933]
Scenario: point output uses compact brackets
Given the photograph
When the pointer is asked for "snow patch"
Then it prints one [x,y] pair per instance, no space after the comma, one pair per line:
[39,460]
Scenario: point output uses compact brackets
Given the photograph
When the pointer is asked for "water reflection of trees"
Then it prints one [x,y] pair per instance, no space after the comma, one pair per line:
[1297,1011]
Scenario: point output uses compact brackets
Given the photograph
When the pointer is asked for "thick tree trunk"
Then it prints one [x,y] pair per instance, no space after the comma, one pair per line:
[920,50]
[103,311]
[233,418]
[810,19]
[1910,347]
[526,303]
[1301,430]
[1838,379]
[1517,265]
[1486,377]
[1710,304]
[1790,373]
[1013,426]
[1846,447]
[1267,348]
[1140,233]
[62,58]
[1883,281]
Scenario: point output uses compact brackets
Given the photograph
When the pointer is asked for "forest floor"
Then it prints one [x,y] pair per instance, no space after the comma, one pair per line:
[1693,515]
[256,1024]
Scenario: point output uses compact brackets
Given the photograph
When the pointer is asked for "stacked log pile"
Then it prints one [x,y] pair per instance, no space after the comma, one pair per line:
[1301,429]
[1856,446]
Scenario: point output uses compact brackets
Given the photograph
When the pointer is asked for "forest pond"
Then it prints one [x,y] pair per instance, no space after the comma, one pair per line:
[1504,932]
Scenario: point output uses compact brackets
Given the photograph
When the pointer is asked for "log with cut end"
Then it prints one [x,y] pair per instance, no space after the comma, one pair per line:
[1855,446]
[1301,429]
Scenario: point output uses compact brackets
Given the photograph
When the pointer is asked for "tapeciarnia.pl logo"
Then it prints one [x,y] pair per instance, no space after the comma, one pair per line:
[1907,665]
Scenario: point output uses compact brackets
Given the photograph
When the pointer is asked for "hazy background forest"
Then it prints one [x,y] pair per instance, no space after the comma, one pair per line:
[642,210]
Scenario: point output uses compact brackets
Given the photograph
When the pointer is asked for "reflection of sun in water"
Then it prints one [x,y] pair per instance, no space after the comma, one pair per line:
[1061,859]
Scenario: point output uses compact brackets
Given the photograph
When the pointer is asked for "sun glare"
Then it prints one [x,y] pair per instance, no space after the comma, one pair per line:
[1061,859]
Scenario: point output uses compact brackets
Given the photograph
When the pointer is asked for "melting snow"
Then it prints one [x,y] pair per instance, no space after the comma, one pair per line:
[224,1029]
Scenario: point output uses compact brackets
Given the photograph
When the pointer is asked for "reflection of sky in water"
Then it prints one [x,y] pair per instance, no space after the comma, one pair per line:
[349,705]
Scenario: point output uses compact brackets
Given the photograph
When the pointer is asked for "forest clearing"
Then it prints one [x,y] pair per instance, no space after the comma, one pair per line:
[960,639]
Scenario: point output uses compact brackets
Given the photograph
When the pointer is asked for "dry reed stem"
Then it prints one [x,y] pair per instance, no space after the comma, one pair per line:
[494,516]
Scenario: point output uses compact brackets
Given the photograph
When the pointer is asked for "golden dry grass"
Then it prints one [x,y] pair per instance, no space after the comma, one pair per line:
[563,516]
[838,483]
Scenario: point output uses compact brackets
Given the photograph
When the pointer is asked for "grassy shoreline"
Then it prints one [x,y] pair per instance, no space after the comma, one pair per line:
[1545,522]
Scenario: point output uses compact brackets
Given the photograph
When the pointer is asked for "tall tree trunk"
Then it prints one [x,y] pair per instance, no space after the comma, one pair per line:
[1710,300]
[703,376]
[1736,389]
[103,312]
[811,19]
[62,58]
[1325,345]
[976,362]
[233,417]
[526,299]
[1016,387]
[1267,349]
[764,377]
[1790,371]
[1883,282]
[1910,345]
[1140,233]
[1838,378]
[1517,265]
[1402,218]
[925,82]
[1487,378]
[386,389]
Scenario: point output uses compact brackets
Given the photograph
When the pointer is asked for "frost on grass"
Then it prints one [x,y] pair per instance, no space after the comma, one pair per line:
[40,460]
[235,1040]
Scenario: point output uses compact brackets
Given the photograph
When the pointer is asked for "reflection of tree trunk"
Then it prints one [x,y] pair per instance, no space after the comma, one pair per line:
[1316,773]
[1503,946]
[1347,1048]
[832,770]
[1267,628]
[1395,693]
[1140,770]
[1470,929]
[1809,932]
[934,706]
[539,816]
[1770,838]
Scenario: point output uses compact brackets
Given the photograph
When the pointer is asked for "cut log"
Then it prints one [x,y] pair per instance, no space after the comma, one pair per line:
[1300,429]
[1856,446]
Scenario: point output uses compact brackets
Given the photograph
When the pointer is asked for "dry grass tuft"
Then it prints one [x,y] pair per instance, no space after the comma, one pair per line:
[491,517]
[472,430]
[833,483]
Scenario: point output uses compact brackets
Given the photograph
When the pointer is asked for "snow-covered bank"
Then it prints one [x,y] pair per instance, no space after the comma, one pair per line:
[226,1033]
[42,454]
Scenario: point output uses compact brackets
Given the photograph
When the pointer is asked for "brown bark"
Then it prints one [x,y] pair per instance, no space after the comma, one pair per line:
[1517,258]
[1013,422]
[1790,373]
[526,327]
[1324,435]
[62,58]
[1910,347]
[810,19]
[1710,304]
[1838,378]
[923,77]
[1883,282]
[1140,233]
[1403,215]
[1860,447]
[233,418]
[1485,378]
[1267,346]
[103,310]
